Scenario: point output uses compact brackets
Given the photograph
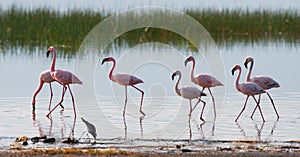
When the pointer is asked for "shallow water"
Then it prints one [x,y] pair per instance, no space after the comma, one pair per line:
[166,117]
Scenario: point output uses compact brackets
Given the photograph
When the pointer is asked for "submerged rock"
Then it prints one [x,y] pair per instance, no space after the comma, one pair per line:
[48,140]
[22,140]
[70,140]
[37,139]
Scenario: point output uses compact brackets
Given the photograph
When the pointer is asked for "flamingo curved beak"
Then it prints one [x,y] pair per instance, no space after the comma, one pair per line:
[186,61]
[48,52]
[246,64]
[232,71]
[173,76]
[104,60]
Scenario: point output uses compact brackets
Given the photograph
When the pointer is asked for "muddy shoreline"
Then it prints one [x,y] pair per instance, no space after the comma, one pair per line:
[155,148]
[116,152]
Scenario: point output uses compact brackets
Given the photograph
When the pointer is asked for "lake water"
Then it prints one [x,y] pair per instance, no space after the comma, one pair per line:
[115,5]
[166,113]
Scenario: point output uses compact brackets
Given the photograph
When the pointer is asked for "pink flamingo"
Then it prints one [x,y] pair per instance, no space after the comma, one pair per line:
[45,76]
[65,78]
[263,81]
[189,93]
[204,80]
[124,80]
[247,88]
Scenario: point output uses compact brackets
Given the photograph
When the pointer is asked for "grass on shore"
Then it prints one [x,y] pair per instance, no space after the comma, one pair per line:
[45,27]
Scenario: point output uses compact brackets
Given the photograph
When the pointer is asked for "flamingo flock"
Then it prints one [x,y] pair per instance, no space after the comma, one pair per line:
[253,86]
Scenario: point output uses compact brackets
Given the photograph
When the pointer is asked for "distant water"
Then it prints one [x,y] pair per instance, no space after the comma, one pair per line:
[115,5]
[166,113]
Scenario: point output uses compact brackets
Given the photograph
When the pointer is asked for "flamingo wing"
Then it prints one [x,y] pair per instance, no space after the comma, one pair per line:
[191,92]
[46,76]
[126,80]
[265,82]
[250,88]
[65,77]
[205,80]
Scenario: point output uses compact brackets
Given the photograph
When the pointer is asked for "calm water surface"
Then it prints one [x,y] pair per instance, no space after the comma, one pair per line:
[166,113]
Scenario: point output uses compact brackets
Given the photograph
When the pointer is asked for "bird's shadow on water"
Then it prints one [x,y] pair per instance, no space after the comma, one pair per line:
[259,129]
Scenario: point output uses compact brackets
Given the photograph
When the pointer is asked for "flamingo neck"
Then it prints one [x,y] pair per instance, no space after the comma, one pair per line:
[52,67]
[37,91]
[250,71]
[192,70]
[237,80]
[177,90]
[111,70]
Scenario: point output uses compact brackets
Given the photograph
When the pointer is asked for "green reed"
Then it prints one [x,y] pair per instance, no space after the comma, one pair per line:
[45,27]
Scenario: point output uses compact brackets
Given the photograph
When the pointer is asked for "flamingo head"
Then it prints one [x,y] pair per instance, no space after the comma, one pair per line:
[190,58]
[50,49]
[248,59]
[108,59]
[236,67]
[175,74]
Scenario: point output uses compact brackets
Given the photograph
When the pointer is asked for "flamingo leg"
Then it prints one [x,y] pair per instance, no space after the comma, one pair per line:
[74,108]
[196,104]
[191,109]
[141,100]
[257,104]
[213,100]
[255,107]
[202,110]
[198,100]
[273,104]
[242,109]
[62,99]
[124,110]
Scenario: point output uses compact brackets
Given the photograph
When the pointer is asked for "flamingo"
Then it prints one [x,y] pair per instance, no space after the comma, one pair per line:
[45,76]
[65,78]
[263,81]
[124,80]
[203,80]
[247,88]
[189,93]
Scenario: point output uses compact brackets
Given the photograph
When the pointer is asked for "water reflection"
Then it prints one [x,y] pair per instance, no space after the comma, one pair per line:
[141,126]
[259,129]
[37,125]
[201,130]
[65,124]
[190,129]
[141,118]
[15,100]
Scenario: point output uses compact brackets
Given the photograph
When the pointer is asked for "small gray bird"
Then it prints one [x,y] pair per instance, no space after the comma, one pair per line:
[90,128]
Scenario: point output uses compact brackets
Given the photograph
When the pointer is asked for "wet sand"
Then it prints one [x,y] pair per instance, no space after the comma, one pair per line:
[178,148]
[115,152]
